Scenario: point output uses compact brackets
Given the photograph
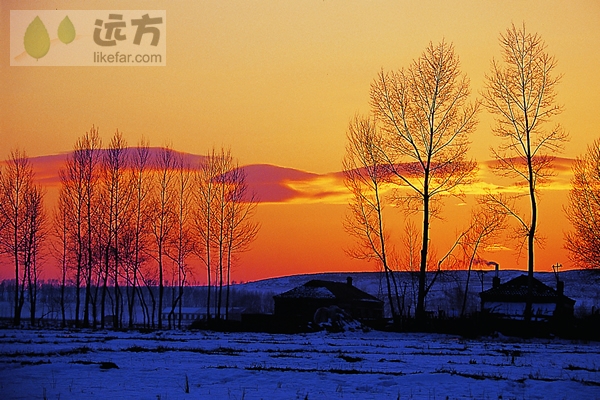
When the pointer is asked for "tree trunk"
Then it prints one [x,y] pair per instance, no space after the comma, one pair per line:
[530,256]
[420,312]
[161,288]
[17,318]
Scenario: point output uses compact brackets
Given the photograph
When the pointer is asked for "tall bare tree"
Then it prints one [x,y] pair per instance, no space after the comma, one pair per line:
[204,203]
[241,228]
[141,180]
[223,163]
[60,245]
[79,178]
[583,210]
[16,186]
[425,116]
[181,243]
[521,91]
[118,196]
[87,157]
[35,235]
[163,206]
[366,173]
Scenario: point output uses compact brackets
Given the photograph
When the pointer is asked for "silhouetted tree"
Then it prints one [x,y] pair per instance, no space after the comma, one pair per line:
[583,210]
[117,192]
[87,150]
[163,207]
[426,121]
[366,173]
[60,245]
[241,229]
[16,191]
[79,178]
[520,91]
[141,180]
[35,235]
[205,195]
[181,242]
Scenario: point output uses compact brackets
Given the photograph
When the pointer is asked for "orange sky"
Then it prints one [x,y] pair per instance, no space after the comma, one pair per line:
[279,82]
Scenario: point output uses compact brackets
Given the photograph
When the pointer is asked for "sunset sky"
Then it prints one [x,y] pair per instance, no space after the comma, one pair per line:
[278,82]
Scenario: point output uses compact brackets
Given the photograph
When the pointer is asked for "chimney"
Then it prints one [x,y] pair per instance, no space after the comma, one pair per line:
[349,281]
[496,279]
[495,282]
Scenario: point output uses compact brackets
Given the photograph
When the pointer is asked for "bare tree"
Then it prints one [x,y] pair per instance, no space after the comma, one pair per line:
[35,234]
[520,91]
[241,229]
[87,150]
[426,120]
[73,190]
[182,243]
[204,202]
[366,173]
[79,179]
[60,232]
[163,206]
[223,163]
[16,186]
[141,189]
[118,196]
[583,210]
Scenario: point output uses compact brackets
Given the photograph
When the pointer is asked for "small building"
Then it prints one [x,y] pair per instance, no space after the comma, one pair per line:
[508,300]
[301,303]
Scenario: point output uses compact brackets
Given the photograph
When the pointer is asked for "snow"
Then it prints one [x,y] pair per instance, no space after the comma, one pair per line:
[64,364]
[311,292]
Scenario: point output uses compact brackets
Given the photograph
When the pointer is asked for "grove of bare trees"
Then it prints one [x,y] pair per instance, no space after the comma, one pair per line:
[222,222]
[126,220]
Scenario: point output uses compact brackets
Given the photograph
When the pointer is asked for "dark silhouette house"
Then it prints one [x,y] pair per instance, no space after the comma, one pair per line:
[508,300]
[300,304]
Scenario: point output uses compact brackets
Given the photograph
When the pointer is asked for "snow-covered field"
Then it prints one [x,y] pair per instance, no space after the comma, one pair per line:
[62,364]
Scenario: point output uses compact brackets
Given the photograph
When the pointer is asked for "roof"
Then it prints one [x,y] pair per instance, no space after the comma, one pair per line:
[515,290]
[319,289]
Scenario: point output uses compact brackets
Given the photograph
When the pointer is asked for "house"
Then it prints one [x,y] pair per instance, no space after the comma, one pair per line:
[508,299]
[301,303]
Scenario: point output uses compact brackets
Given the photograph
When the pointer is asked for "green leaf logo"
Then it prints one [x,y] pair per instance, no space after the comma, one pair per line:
[36,40]
[66,31]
